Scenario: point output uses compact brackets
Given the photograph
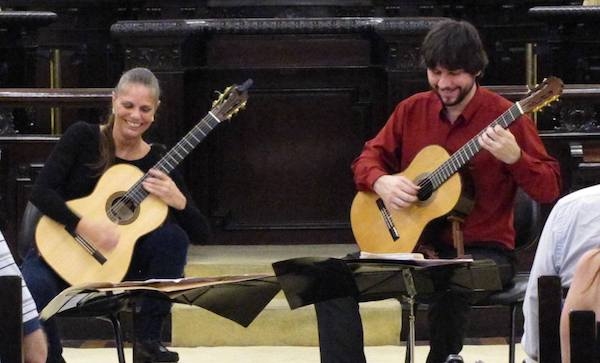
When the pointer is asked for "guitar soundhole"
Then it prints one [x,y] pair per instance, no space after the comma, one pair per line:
[426,189]
[121,210]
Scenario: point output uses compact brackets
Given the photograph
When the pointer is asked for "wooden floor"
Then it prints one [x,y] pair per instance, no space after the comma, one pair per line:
[107,343]
[489,350]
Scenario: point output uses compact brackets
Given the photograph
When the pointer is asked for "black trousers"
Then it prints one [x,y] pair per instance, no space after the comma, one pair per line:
[340,325]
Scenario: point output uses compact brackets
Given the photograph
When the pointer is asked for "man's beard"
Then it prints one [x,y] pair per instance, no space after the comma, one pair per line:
[461,96]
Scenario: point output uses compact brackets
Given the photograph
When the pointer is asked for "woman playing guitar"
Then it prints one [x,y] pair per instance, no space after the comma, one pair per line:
[85,153]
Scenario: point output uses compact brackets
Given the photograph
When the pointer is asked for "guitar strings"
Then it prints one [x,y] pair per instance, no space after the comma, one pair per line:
[136,194]
[465,153]
[85,244]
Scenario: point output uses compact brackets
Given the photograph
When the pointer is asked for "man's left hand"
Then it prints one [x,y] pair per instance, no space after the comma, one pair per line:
[501,143]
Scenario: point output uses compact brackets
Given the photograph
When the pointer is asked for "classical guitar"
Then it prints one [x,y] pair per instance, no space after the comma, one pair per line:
[378,229]
[120,198]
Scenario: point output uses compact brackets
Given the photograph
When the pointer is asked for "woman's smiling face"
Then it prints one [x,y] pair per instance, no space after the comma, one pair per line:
[134,107]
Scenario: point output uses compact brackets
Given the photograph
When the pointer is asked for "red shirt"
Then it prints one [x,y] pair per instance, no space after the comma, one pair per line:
[419,121]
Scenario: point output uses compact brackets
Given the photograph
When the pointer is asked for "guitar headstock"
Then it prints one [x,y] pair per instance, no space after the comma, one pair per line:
[543,94]
[231,101]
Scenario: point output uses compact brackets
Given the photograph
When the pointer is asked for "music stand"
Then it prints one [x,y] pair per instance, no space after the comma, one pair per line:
[308,280]
[237,298]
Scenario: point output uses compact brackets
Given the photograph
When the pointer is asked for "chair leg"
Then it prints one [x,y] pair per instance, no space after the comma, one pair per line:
[511,339]
[409,356]
[118,337]
[411,336]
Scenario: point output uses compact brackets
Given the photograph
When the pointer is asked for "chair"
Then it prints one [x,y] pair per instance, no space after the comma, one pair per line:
[528,225]
[107,309]
[583,336]
[583,327]
[550,297]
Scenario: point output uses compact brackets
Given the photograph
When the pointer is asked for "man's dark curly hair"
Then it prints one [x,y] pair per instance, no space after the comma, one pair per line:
[454,44]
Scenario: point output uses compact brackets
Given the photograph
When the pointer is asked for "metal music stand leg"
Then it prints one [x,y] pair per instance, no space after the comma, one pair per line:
[114,319]
[410,299]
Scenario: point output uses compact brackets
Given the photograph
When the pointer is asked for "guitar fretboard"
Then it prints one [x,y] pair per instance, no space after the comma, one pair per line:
[466,152]
[171,159]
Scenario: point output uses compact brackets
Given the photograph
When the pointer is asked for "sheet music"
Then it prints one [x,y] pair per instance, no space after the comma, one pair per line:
[75,296]
[68,299]
[392,256]
[173,285]
[416,259]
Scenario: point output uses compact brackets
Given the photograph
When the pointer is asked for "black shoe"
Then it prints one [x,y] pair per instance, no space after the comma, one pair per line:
[151,351]
[454,358]
[56,360]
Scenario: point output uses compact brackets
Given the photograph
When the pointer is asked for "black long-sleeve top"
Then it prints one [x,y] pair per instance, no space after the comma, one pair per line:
[68,174]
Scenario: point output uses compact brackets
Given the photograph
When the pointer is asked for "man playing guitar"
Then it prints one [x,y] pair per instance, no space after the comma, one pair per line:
[454,111]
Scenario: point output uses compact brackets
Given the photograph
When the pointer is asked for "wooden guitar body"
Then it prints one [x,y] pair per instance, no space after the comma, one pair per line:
[70,260]
[369,225]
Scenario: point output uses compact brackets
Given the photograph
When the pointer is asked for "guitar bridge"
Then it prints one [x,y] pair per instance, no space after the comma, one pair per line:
[89,247]
[387,218]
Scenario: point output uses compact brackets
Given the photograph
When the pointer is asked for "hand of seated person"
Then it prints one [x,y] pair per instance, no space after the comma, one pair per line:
[35,347]
[104,235]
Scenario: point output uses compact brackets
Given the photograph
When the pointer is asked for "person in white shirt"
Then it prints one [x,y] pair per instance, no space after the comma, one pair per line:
[35,348]
[572,228]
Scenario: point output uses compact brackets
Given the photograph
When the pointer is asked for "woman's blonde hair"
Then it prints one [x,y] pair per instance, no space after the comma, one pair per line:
[141,76]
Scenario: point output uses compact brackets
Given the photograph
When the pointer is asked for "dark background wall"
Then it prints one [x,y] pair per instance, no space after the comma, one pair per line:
[326,76]
[326,73]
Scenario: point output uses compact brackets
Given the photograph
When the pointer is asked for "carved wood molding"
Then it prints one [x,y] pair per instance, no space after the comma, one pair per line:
[24,25]
[75,97]
[566,13]
[155,57]
[400,25]
[145,40]
[27,18]
[575,111]
[403,57]
[92,96]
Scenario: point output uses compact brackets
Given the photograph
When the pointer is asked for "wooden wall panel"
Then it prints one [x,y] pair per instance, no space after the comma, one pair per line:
[295,165]
[21,158]
[282,165]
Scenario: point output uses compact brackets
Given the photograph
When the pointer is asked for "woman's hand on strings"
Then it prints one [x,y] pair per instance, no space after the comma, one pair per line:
[161,185]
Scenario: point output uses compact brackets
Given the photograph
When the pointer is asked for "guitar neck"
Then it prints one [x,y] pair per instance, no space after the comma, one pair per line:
[472,147]
[187,144]
[171,159]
